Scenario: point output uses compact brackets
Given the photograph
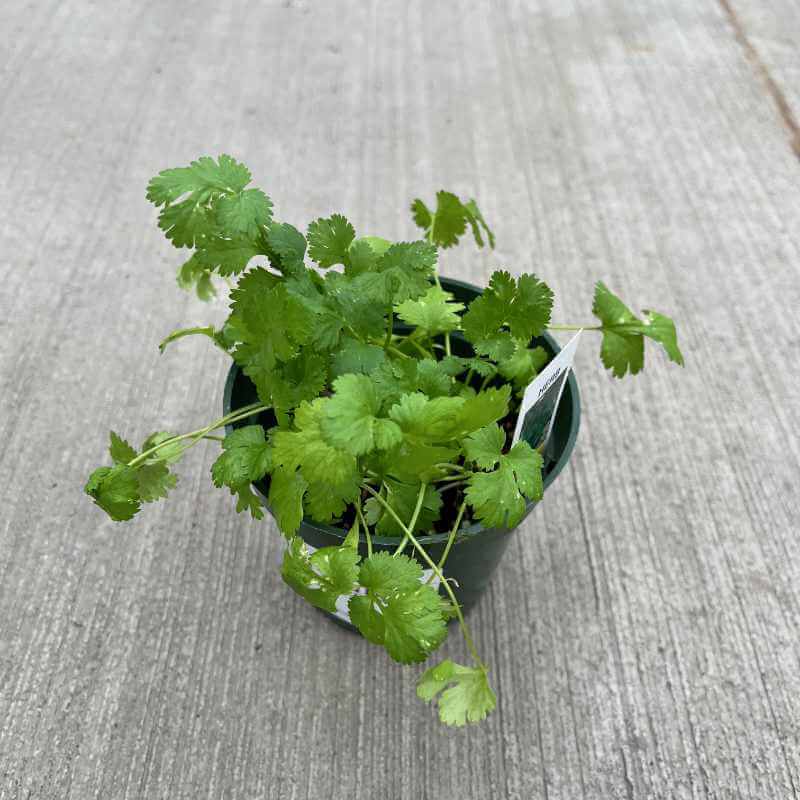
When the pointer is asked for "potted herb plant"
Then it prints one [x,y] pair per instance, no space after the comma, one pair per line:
[369,408]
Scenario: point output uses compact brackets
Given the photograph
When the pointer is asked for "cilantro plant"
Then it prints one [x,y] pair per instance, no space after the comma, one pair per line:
[378,422]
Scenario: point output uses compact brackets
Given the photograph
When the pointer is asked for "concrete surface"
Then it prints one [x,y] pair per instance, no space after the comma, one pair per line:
[643,630]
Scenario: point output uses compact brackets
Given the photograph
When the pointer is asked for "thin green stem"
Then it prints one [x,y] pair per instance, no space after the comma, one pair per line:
[449,478]
[574,327]
[389,329]
[207,330]
[430,241]
[422,350]
[442,581]
[469,376]
[417,332]
[453,484]
[485,381]
[213,438]
[393,349]
[234,416]
[410,526]
[448,465]
[452,537]
[447,348]
[366,529]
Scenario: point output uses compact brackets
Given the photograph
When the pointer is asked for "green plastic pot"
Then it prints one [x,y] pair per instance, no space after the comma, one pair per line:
[477,550]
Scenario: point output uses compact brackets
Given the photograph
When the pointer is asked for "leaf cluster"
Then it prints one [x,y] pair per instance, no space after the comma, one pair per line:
[388,395]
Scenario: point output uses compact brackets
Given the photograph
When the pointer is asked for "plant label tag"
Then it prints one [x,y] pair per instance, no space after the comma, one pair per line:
[342,610]
[541,398]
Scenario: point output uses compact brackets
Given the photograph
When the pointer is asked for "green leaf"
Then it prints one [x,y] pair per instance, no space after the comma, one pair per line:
[435,312]
[421,418]
[622,350]
[527,466]
[361,258]
[469,697]
[245,213]
[450,221]
[393,379]
[153,478]
[524,305]
[377,244]
[383,573]
[307,448]
[115,490]
[329,240]
[320,577]
[413,624]
[229,256]
[485,446]
[251,290]
[203,175]
[352,538]
[155,481]
[120,451]
[337,566]
[288,243]
[481,367]
[246,457]
[193,275]
[247,500]
[191,220]
[498,498]
[357,356]
[351,420]
[415,461]
[524,365]
[308,288]
[355,308]
[186,223]
[403,272]
[301,378]
[398,612]
[369,623]
[286,490]
[431,379]
[453,365]
[421,214]
[482,409]
[271,325]
[477,222]
[324,505]
[363,254]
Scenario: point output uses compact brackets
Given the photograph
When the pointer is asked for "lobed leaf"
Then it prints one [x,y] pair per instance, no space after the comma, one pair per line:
[329,240]
[622,349]
[398,612]
[320,577]
[464,692]
[351,420]
[508,310]
[246,457]
[433,313]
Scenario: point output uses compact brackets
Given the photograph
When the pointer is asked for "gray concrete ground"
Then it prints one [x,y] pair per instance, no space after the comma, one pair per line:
[643,628]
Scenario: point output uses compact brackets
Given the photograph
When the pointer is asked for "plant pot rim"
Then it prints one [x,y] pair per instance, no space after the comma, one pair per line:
[475,528]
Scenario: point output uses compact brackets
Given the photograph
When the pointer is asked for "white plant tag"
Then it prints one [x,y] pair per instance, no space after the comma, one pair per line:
[541,398]
[342,610]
